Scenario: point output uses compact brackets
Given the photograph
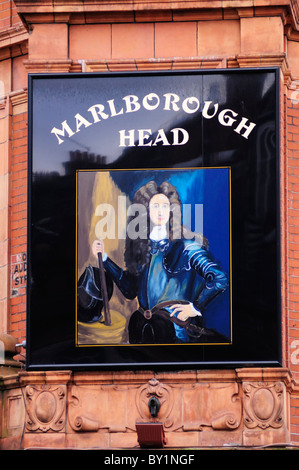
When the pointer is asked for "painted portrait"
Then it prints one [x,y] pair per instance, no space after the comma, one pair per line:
[153,257]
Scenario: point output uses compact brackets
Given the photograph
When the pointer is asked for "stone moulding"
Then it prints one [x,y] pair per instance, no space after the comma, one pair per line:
[171,63]
[42,6]
[95,11]
[12,40]
[47,66]
[114,65]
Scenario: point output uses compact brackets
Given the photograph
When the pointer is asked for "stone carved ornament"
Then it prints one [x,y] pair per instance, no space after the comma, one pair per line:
[263,405]
[211,405]
[186,407]
[181,407]
[164,394]
[45,408]
[95,407]
[78,421]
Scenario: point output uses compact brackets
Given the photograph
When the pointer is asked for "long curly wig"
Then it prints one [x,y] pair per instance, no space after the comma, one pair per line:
[137,251]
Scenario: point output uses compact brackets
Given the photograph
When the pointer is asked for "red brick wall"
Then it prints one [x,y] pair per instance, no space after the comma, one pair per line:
[8,14]
[5,14]
[18,218]
[292,128]
[292,209]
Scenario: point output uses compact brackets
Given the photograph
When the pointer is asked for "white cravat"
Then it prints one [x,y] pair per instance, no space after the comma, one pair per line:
[158,233]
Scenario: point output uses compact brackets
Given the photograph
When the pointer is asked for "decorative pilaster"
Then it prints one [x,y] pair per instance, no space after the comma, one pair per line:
[265,402]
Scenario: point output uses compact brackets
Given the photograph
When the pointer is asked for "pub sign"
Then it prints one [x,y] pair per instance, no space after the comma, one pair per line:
[153,235]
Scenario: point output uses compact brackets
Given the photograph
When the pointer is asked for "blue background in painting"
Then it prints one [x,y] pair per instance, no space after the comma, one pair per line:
[211,188]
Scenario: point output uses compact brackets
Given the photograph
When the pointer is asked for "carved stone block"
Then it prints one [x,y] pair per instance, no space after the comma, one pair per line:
[247,407]
[182,407]
[263,405]
[165,396]
[45,408]
[101,407]
[215,406]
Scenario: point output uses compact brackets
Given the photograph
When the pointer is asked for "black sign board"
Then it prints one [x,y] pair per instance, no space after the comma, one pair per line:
[153,235]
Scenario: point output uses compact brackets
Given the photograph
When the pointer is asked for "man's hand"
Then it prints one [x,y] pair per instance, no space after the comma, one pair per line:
[184,311]
[97,247]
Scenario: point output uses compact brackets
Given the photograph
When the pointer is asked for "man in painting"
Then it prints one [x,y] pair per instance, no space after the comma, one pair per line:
[173,276]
